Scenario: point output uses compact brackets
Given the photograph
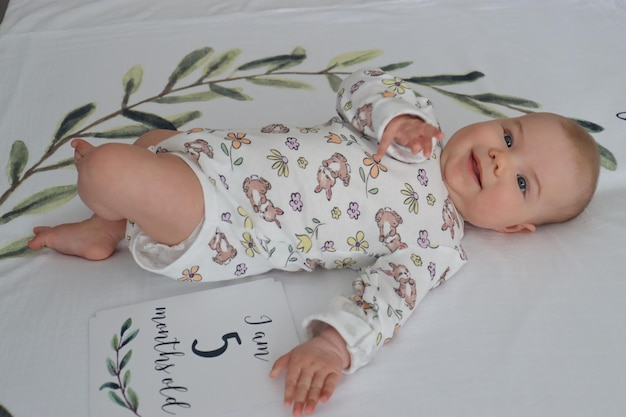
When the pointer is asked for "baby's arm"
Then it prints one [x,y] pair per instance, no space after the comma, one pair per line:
[314,369]
[384,109]
[411,132]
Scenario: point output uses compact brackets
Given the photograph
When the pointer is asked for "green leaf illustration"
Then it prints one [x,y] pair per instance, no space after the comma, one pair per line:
[115,341]
[64,163]
[116,399]
[298,55]
[125,359]
[4,412]
[276,62]
[607,159]
[589,126]
[73,120]
[126,379]
[148,119]
[221,63]
[187,98]
[41,202]
[181,119]
[362,174]
[109,385]
[125,326]
[129,338]
[396,66]
[131,82]
[506,100]
[353,58]
[18,158]
[446,79]
[111,367]
[334,82]
[129,131]
[16,248]
[474,105]
[134,131]
[229,92]
[187,65]
[133,398]
[280,83]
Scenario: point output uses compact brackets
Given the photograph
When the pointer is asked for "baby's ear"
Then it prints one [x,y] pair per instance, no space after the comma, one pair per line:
[523,227]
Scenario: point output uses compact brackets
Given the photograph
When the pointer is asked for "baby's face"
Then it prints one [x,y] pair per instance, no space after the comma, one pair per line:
[510,174]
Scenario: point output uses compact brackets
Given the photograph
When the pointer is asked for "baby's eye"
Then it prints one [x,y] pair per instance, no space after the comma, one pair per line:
[508,139]
[521,183]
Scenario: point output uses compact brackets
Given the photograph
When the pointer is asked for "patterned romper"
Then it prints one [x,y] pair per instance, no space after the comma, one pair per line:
[294,198]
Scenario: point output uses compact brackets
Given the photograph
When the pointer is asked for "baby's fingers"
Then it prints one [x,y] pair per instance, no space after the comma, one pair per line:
[279,366]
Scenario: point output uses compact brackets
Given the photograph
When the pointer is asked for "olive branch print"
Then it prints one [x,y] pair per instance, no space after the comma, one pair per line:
[126,397]
[200,76]
[4,412]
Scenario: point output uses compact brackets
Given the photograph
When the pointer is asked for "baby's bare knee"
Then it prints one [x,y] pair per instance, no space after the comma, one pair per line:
[100,170]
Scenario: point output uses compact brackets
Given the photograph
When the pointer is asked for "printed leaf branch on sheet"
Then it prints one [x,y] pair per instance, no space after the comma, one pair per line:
[120,391]
[220,76]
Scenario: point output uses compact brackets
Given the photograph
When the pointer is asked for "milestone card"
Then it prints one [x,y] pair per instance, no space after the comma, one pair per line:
[199,354]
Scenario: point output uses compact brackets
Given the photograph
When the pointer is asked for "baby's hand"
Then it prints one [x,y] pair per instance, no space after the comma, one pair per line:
[410,131]
[314,369]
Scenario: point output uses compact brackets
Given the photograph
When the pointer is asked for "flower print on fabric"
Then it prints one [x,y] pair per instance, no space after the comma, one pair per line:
[358,243]
[423,240]
[422,177]
[375,168]
[397,85]
[224,183]
[236,141]
[345,263]
[191,275]
[226,217]
[248,243]
[302,162]
[329,246]
[241,270]
[340,138]
[353,210]
[305,242]
[356,86]
[280,163]
[292,143]
[411,198]
[432,268]
[296,202]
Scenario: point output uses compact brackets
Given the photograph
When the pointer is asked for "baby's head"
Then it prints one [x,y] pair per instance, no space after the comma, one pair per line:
[515,174]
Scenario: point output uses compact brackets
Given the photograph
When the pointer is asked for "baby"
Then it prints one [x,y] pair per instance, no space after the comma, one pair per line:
[220,204]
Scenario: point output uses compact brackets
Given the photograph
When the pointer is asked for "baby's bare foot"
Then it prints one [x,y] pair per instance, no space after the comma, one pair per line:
[94,239]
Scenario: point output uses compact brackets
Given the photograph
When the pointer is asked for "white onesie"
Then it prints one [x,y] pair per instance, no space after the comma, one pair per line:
[298,198]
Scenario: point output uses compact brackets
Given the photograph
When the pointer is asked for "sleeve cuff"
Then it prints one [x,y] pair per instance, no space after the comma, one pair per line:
[384,112]
[350,321]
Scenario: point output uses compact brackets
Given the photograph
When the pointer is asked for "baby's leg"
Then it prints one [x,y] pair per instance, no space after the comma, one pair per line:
[159,192]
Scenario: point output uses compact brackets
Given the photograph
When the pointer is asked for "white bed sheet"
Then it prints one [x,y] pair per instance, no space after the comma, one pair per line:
[532,326]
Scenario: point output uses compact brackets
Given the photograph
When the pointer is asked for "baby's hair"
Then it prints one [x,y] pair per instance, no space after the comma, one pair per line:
[587,156]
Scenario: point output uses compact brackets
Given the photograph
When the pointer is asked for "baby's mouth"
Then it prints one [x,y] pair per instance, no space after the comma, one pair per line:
[476,169]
